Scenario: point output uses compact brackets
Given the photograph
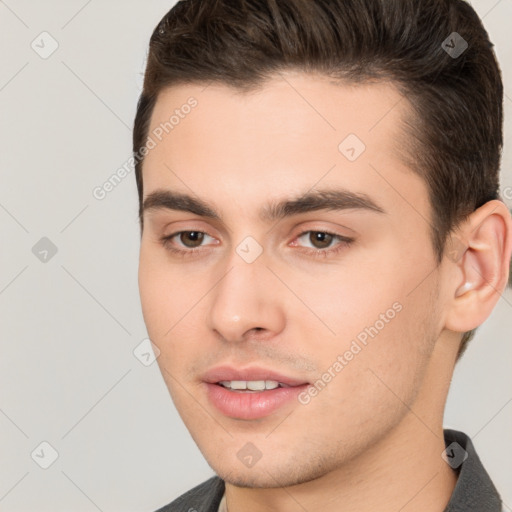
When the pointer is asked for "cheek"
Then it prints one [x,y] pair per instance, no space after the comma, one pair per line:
[170,299]
[148,290]
[383,315]
[373,385]
[346,298]
[375,292]
[157,294]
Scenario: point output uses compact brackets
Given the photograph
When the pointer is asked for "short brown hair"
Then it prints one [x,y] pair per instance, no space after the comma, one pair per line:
[456,132]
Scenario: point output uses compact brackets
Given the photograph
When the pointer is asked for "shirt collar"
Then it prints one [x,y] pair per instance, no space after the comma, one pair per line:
[474,490]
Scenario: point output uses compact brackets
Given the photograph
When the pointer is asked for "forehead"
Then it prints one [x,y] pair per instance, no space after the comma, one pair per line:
[294,131]
[292,105]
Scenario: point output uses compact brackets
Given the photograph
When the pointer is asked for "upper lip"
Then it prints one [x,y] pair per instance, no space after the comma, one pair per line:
[229,373]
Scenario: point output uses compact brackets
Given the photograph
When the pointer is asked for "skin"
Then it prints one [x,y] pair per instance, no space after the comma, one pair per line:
[372,438]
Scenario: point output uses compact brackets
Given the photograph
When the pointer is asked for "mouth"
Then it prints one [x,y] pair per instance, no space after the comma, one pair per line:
[252,386]
[250,393]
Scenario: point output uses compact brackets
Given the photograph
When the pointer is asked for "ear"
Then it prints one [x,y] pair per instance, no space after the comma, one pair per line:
[479,264]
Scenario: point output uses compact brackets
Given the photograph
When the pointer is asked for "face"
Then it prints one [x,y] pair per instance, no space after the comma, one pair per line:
[300,257]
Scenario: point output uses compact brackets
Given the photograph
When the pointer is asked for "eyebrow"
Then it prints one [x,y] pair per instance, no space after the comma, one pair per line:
[328,199]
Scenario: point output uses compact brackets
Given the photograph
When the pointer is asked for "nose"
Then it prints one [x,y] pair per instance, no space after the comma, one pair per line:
[246,301]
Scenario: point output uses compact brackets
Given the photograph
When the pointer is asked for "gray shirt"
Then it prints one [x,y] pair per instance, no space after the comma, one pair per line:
[474,491]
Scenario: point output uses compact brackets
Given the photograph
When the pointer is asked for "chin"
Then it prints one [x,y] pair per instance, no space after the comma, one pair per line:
[269,475]
[260,480]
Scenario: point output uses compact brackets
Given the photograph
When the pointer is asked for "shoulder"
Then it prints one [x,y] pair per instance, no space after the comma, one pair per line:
[205,497]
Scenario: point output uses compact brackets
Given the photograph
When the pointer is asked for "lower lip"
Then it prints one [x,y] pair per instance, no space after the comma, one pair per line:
[250,406]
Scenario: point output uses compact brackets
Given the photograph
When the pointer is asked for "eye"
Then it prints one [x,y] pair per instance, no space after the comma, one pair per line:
[322,240]
[190,240]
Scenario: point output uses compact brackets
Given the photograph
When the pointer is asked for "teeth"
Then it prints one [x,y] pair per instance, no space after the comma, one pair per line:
[256,385]
[251,385]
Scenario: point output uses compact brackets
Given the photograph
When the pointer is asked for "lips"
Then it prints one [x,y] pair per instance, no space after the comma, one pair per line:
[239,394]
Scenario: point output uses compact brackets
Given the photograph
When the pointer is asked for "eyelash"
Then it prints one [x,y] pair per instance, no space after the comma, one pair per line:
[316,253]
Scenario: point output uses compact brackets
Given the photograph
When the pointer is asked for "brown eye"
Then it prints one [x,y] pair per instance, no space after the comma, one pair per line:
[322,243]
[320,240]
[191,239]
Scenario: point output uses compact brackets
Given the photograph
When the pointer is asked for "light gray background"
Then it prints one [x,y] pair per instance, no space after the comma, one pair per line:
[68,375]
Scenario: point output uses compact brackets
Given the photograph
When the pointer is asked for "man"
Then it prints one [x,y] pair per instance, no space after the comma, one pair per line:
[322,233]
